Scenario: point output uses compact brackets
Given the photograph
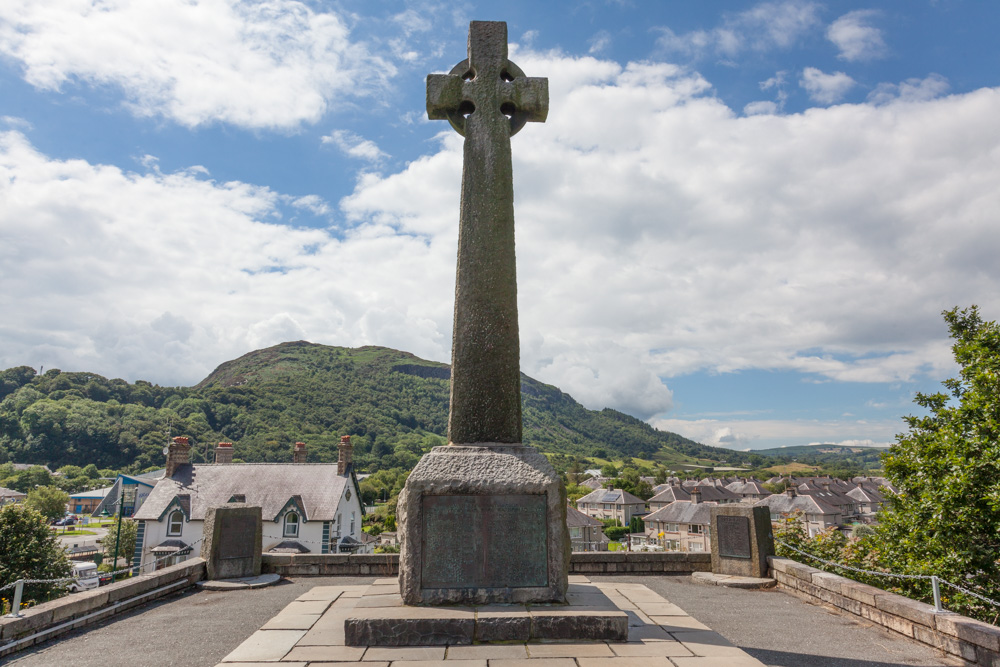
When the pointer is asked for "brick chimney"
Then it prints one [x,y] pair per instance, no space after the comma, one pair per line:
[791,492]
[825,485]
[345,453]
[299,453]
[178,454]
[224,452]
[695,495]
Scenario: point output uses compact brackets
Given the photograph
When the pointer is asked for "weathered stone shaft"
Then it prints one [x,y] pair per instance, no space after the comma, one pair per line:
[486,98]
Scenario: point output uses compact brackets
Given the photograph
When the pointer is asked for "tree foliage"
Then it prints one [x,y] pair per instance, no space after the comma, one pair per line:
[29,550]
[946,518]
[126,541]
[49,501]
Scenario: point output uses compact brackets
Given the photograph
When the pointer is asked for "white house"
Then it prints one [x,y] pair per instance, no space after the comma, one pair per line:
[306,507]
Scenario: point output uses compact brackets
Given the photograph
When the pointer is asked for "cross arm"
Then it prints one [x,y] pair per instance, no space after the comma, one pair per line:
[531,98]
[444,95]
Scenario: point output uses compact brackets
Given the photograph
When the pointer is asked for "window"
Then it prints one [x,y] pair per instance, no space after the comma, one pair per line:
[291,525]
[672,528]
[694,529]
[352,524]
[175,523]
[696,546]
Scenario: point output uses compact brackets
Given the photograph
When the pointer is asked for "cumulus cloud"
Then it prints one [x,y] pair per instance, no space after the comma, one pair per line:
[688,239]
[355,146]
[763,27]
[744,434]
[856,38]
[600,42]
[911,90]
[256,64]
[825,88]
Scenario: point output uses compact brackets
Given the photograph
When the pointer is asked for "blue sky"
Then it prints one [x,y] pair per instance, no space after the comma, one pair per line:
[740,221]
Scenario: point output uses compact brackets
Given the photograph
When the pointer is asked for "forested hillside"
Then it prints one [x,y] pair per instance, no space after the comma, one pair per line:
[394,404]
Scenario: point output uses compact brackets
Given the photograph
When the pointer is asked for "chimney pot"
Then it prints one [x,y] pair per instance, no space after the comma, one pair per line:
[790,492]
[299,453]
[695,495]
[224,452]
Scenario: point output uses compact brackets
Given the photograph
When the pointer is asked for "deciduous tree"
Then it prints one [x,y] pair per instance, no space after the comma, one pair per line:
[29,550]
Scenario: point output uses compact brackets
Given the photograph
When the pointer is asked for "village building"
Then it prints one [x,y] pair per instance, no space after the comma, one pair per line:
[306,507]
[86,502]
[815,513]
[675,492]
[585,532]
[11,496]
[132,489]
[683,525]
[749,490]
[611,504]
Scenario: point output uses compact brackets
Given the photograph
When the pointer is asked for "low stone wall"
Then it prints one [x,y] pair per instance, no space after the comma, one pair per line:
[975,642]
[591,562]
[76,610]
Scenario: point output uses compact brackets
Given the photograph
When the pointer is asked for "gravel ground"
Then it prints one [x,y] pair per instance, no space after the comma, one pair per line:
[198,628]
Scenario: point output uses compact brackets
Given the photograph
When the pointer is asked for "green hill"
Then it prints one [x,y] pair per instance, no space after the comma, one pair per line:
[394,404]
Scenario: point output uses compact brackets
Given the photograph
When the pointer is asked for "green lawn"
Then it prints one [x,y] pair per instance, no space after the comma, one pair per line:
[70,533]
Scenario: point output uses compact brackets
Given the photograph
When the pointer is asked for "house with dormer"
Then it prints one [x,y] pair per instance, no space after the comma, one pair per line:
[306,507]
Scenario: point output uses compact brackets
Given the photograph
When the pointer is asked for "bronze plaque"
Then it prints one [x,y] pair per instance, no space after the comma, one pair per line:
[733,534]
[237,536]
[484,541]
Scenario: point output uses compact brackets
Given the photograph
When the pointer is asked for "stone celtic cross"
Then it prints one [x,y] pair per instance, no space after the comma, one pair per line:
[487,99]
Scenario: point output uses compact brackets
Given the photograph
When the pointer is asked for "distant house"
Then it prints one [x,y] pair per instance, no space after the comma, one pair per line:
[749,490]
[683,525]
[11,496]
[611,504]
[707,494]
[869,502]
[306,507]
[585,532]
[134,489]
[815,513]
[87,501]
[594,482]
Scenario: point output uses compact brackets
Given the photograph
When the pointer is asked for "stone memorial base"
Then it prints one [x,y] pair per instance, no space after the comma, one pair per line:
[232,543]
[483,524]
[381,619]
[741,540]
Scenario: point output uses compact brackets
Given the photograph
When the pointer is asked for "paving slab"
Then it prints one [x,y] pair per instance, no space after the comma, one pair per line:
[291,622]
[265,645]
[533,662]
[393,653]
[651,649]
[647,661]
[487,652]
[570,650]
[328,593]
[315,654]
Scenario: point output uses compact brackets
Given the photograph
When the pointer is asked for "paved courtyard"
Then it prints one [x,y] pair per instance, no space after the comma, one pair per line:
[706,626]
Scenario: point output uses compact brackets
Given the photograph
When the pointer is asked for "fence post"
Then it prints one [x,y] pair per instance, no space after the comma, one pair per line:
[937,594]
[15,608]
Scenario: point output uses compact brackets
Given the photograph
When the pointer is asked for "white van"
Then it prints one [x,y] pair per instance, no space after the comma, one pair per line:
[86,577]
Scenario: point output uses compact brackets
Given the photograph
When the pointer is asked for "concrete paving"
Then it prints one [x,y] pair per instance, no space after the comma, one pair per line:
[200,628]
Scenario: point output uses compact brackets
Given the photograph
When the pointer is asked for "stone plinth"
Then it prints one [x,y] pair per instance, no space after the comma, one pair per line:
[233,537]
[741,540]
[483,524]
[381,619]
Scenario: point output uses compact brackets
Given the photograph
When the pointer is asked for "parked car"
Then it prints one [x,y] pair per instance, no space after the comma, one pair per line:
[65,521]
[86,577]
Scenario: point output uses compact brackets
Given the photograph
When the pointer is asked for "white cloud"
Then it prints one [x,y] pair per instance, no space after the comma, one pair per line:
[763,27]
[761,107]
[355,146]
[825,88]
[753,433]
[687,239]
[255,64]
[600,42]
[856,39]
[911,90]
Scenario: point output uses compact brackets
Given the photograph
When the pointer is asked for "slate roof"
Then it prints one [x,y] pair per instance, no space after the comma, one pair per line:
[682,511]
[170,546]
[749,487]
[865,495]
[593,482]
[577,519]
[288,547]
[11,493]
[782,503]
[616,496]
[269,485]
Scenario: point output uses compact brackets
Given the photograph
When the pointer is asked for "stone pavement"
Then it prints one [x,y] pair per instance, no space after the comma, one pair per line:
[310,631]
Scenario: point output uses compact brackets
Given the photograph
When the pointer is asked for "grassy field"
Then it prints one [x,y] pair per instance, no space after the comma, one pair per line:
[790,468]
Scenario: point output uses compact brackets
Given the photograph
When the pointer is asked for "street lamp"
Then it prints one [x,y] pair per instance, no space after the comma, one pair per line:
[127,493]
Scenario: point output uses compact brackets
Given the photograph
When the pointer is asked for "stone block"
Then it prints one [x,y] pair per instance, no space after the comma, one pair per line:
[32,621]
[581,625]
[863,593]
[828,581]
[918,612]
[741,540]
[969,630]
[948,644]
[598,557]
[502,626]
[381,631]
[122,590]
[987,658]
[457,516]
[886,620]
[232,544]
[800,571]
[78,604]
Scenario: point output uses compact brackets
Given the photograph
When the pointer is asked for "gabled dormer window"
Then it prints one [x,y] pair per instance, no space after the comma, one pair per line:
[175,523]
[291,525]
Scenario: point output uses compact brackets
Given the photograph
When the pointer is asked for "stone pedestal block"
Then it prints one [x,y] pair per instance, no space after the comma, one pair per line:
[741,540]
[480,524]
[233,537]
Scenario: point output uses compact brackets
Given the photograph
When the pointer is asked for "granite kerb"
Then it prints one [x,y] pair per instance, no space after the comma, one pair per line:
[974,641]
[66,609]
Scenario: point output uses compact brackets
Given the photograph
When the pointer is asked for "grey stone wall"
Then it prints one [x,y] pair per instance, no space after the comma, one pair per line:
[975,642]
